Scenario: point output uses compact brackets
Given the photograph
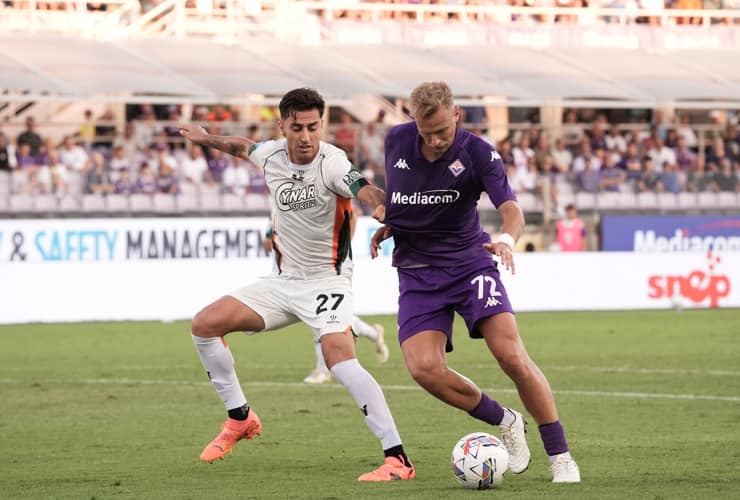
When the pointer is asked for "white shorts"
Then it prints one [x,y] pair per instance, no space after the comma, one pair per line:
[324,304]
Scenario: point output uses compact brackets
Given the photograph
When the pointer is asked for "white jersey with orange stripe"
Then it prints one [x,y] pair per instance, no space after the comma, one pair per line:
[312,209]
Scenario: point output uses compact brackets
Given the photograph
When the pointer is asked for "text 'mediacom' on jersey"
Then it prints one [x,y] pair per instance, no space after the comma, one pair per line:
[434,197]
[289,197]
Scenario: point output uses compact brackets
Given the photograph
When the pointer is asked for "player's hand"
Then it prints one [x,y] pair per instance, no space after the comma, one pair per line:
[380,235]
[195,133]
[504,252]
[379,213]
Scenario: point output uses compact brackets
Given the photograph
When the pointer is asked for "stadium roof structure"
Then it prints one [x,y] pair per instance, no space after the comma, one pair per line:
[50,67]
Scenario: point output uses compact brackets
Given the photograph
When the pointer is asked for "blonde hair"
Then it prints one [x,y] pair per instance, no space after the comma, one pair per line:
[427,98]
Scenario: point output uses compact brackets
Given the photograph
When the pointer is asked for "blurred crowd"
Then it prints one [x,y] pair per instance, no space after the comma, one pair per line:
[148,156]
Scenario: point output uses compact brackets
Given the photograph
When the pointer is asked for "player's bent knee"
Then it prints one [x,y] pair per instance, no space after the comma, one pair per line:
[203,325]
[515,365]
[428,373]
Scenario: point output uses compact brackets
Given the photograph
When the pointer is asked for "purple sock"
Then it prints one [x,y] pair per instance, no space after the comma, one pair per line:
[553,437]
[488,410]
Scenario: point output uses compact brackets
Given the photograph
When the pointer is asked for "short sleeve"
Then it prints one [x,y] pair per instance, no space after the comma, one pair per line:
[258,152]
[341,176]
[492,173]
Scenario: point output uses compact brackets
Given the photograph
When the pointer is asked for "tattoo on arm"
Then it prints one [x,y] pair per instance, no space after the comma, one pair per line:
[235,146]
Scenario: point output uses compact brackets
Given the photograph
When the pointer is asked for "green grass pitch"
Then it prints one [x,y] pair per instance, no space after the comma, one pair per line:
[650,402]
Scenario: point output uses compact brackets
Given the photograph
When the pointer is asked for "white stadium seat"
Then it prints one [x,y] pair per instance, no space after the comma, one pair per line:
[210,202]
[69,204]
[140,202]
[528,202]
[585,201]
[259,202]
[116,203]
[687,201]
[164,203]
[647,200]
[93,203]
[232,202]
[627,201]
[186,202]
[728,200]
[45,203]
[21,203]
[668,201]
[607,200]
[708,200]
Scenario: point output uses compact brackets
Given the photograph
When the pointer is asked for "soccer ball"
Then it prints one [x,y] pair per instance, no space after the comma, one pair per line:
[479,461]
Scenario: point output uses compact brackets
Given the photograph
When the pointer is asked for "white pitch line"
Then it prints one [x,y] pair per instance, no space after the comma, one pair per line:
[628,370]
[296,385]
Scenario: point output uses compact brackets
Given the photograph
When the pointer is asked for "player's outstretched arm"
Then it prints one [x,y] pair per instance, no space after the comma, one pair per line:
[233,145]
[513,226]
[373,196]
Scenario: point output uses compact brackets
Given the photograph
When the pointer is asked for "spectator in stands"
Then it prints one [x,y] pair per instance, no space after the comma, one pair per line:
[236,177]
[611,177]
[572,130]
[25,160]
[631,164]
[59,173]
[254,133]
[570,231]
[86,131]
[698,179]
[257,183]
[73,156]
[732,142]
[597,137]
[167,181]
[145,129]
[119,162]
[146,182]
[562,157]
[345,136]
[124,185]
[586,161]
[8,159]
[671,138]
[615,141]
[194,167]
[216,166]
[670,181]
[685,158]
[371,147]
[725,179]
[161,157]
[660,153]
[716,151]
[650,179]
[98,179]
[504,150]
[127,141]
[685,131]
[522,153]
[30,137]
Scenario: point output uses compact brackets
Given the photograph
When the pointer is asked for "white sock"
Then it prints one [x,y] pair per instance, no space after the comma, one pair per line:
[508,418]
[363,329]
[320,363]
[219,364]
[369,397]
[554,457]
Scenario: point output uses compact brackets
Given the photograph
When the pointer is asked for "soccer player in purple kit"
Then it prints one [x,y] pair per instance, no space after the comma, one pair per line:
[435,174]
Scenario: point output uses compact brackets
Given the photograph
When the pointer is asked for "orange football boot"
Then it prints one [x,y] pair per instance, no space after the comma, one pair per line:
[231,432]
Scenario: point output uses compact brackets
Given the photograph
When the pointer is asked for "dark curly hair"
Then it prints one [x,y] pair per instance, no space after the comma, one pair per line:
[303,99]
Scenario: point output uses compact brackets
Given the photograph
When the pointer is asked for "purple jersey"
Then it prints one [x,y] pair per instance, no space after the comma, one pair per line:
[431,206]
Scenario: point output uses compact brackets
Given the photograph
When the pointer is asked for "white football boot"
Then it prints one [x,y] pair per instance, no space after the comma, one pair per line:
[565,470]
[515,441]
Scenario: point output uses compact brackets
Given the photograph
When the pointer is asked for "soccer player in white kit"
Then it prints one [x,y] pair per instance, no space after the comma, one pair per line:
[311,184]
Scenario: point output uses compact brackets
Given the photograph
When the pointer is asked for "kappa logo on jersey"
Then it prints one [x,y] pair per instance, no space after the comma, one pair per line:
[495,156]
[401,163]
[289,197]
[456,168]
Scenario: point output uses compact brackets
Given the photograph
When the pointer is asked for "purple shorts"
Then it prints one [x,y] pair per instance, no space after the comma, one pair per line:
[430,296]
